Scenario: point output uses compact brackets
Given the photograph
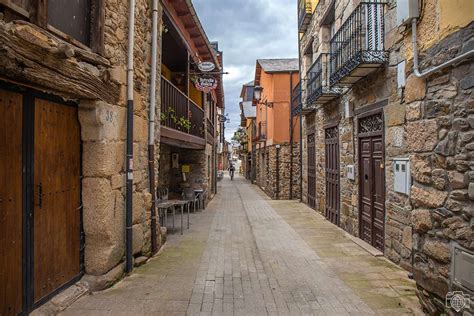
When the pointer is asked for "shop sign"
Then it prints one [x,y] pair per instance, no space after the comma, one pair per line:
[206,84]
[206,66]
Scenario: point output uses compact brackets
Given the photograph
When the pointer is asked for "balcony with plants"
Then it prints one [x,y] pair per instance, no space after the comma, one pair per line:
[179,112]
[357,49]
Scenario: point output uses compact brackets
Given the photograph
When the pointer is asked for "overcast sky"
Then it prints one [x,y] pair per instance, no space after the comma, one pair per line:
[248,30]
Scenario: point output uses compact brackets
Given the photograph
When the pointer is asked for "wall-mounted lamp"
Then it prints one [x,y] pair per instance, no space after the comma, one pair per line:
[257,93]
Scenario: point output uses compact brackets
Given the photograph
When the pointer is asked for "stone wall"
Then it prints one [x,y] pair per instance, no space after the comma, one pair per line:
[105,243]
[440,137]
[273,172]
[430,122]
[172,178]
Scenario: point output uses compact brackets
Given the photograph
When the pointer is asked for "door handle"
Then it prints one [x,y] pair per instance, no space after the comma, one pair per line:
[40,196]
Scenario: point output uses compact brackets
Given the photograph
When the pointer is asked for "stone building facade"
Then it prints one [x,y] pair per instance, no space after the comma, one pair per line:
[274,168]
[83,67]
[363,124]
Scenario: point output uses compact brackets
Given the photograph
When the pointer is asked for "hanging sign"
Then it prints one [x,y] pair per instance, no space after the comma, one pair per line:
[206,66]
[205,84]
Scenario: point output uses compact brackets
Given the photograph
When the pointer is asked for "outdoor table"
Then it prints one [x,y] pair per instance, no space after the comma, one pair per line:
[181,205]
[165,206]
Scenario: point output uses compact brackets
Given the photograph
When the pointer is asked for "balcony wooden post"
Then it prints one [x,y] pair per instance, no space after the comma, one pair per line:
[187,85]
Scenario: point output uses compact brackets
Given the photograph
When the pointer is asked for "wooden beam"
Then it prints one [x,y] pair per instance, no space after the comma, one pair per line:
[98,24]
[39,12]
[30,55]
[179,139]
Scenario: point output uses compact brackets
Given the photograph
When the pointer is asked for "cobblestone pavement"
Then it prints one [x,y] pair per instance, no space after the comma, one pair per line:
[248,255]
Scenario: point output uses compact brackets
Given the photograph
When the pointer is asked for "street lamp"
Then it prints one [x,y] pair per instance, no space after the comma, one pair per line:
[257,93]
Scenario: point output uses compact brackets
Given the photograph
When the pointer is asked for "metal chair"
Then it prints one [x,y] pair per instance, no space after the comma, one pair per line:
[164,206]
[191,197]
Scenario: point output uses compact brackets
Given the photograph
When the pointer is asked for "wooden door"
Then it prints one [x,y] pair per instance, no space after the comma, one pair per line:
[11,204]
[56,197]
[311,171]
[332,174]
[372,180]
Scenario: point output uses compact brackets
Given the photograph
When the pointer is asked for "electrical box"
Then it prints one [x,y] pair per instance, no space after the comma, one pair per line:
[407,10]
[462,266]
[350,172]
[401,171]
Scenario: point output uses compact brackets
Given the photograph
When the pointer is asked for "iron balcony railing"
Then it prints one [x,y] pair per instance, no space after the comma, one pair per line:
[179,112]
[304,14]
[359,41]
[317,84]
[316,78]
[296,100]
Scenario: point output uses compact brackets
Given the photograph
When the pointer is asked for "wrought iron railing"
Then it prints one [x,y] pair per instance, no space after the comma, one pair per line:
[179,112]
[360,40]
[316,75]
[304,14]
[317,83]
[296,99]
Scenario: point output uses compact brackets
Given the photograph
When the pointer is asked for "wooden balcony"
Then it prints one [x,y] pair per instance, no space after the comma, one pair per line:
[305,11]
[318,90]
[182,120]
[357,49]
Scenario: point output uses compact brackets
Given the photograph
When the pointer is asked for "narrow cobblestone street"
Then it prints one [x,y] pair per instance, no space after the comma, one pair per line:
[248,255]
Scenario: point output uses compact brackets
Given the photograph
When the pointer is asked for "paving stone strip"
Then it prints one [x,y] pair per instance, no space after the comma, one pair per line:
[245,255]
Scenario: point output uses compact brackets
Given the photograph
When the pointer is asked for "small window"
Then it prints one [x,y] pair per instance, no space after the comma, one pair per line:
[72,17]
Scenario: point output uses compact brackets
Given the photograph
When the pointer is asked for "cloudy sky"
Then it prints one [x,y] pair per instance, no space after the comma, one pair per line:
[248,30]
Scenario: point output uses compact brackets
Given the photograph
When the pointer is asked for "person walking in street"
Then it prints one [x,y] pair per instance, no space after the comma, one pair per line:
[231,171]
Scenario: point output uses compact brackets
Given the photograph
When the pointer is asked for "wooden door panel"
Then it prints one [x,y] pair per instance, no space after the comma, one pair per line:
[11,204]
[57,197]
[332,174]
[311,171]
[372,185]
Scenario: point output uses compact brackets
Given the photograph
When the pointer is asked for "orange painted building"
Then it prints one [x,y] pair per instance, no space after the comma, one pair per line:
[277,134]
[278,78]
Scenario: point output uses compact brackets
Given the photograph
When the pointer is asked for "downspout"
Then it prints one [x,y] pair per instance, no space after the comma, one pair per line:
[129,184]
[432,70]
[291,135]
[301,113]
[151,125]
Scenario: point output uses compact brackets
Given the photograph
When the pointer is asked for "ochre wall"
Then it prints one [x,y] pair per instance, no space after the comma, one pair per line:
[195,94]
[276,89]
[440,18]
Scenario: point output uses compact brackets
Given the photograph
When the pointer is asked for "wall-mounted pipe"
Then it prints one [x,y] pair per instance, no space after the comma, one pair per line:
[129,181]
[432,70]
[151,125]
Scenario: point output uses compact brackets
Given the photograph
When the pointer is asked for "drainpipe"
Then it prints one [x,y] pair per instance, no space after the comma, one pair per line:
[151,125]
[291,135]
[129,183]
[432,70]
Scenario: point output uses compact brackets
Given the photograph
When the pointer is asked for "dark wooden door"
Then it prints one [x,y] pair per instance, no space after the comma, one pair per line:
[56,197]
[372,180]
[11,205]
[311,171]
[332,174]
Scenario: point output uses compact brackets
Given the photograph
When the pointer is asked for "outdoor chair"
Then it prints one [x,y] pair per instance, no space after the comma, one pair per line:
[190,196]
[164,206]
